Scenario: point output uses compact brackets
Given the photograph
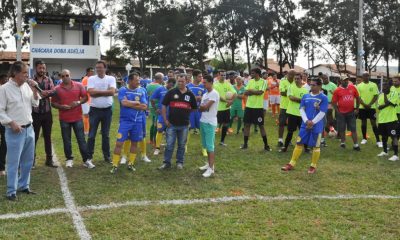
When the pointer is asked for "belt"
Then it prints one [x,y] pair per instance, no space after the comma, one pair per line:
[27,125]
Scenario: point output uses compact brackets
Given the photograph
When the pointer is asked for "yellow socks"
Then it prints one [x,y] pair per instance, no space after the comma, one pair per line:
[315,157]
[158,139]
[132,158]
[115,160]
[143,147]
[126,148]
[298,149]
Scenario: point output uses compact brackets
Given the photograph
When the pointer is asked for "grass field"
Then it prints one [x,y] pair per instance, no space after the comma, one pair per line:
[353,195]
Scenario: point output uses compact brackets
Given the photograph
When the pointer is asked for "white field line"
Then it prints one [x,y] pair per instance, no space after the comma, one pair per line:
[70,203]
[198,201]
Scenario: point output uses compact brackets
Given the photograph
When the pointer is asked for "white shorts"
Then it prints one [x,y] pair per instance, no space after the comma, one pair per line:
[265,105]
[85,108]
[275,99]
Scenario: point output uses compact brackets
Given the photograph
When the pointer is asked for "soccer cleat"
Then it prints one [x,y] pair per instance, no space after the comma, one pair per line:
[382,154]
[394,158]
[364,141]
[131,167]
[287,167]
[205,167]
[208,172]
[204,152]
[69,163]
[357,148]
[243,146]
[223,144]
[164,166]
[123,160]
[280,144]
[89,164]
[312,170]
[146,159]
[179,166]
[113,170]
[156,152]
[343,145]
[267,148]
[283,149]
[379,144]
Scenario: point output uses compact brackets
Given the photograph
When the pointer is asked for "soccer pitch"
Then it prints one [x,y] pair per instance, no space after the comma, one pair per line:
[353,195]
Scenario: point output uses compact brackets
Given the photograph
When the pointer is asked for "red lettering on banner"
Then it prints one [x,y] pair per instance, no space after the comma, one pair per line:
[183,105]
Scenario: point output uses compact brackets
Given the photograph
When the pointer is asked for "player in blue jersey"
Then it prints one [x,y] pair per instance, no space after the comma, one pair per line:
[158,96]
[313,108]
[145,80]
[133,102]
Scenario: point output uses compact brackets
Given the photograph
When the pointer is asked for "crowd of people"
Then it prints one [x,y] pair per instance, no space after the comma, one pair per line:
[178,103]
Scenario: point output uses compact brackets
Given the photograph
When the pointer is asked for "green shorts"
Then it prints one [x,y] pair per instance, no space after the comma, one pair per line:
[237,112]
[207,132]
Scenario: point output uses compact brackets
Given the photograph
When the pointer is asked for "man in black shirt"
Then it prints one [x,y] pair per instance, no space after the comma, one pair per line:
[180,102]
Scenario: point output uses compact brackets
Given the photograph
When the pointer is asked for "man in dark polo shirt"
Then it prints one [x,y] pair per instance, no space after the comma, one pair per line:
[180,102]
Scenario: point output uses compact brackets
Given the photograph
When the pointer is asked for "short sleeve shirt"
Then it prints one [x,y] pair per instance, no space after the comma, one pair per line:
[283,87]
[210,116]
[65,96]
[397,90]
[98,83]
[128,114]
[150,90]
[298,92]
[223,89]
[345,97]
[329,88]
[389,113]
[256,101]
[237,103]
[180,105]
[367,92]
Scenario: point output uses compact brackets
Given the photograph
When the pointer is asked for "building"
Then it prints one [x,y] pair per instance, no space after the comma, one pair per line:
[332,70]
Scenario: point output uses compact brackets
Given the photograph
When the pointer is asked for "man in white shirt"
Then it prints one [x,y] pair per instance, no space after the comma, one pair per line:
[101,88]
[17,99]
[208,123]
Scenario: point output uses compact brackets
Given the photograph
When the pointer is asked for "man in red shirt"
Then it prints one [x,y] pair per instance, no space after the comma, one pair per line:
[343,102]
[69,96]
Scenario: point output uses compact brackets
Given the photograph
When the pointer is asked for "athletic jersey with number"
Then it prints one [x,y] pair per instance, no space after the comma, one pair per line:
[389,113]
[256,101]
[329,88]
[397,90]
[131,114]
[197,90]
[223,89]
[293,107]
[312,105]
[367,91]
[283,87]
[237,103]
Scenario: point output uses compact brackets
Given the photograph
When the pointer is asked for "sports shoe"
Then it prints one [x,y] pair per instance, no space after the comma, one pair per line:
[69,163]
[364,141]
[382,154]
[312,170]
[205,167]
[394,158]
[156,152]
[208,172]
[243,146]
[343,145]
[89,164]
[283,149]
[280,144]
[113,170]
[146,159]
[179,166]
[323,144]
[357,148]
[223,144]
[379,144]
[123,160]
[287,167]
[164,166]
[267,148]
[131,167]
[204,152]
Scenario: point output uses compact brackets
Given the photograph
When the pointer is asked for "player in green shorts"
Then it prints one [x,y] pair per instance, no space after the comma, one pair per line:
[158,80]
[237,108]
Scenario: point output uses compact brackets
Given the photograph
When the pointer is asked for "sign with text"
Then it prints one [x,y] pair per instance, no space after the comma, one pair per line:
[65,51]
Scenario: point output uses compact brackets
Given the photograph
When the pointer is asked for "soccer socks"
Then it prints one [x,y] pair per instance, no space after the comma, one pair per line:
[159,136]
[231,122]
[245,140]
[153,133]
[126,148]
[265,140]
[298,149]
[115,160]
[223,133]
[143,147]
[376,133]
[239,125]
[86,124]
[395,149]
[132,158]
[364,130]
[384,143]
[289,137]
[315,157]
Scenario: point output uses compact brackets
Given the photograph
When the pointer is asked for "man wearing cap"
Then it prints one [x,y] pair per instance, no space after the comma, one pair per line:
[343,102]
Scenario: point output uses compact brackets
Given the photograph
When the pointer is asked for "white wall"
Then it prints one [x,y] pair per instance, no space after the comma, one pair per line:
[73,37]
[47,34]
[76,66]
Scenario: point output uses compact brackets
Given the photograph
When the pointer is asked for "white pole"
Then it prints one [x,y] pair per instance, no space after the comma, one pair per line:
[19,28]
[381,83]
[360,51]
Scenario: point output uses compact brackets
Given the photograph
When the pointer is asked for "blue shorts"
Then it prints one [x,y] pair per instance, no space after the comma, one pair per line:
[161,127]
[144,125]
[131,131]
[195,119]
[309,138]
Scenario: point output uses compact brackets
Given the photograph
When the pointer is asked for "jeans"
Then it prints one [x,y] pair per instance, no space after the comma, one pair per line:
[180,133]
[3,148]
[45,121]
[97,116]
[20,155]
[80,137]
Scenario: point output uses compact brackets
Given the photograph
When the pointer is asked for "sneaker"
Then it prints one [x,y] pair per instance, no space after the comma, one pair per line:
[382,154]
[267,148]
[208,172]
[146,159]
[287,167]
[89,164]
[131,167]
[113,170]
[12,197]
[223,144]
[323,144]
[343,145]
[280,144]
[156,152]
[312,170]
[357,148]
[364,141]
[379,144]
[243,146]
[164,166]
[204,152]
[123,160]
[179,166]
[283,149]
[394,158]
[69,163]
[205,167]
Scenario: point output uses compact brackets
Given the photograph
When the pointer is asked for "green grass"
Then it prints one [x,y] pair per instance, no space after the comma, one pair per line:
[238,173]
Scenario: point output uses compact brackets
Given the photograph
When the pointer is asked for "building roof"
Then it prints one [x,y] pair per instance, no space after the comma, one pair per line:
[58,18]
[347,69]
[10,57]
[273,66]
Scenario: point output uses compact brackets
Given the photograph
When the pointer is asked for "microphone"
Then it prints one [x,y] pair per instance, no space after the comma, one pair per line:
[35,85]
[38,88]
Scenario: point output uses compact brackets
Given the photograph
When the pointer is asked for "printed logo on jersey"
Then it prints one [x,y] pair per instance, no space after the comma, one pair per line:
[176,96]
[187,98]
